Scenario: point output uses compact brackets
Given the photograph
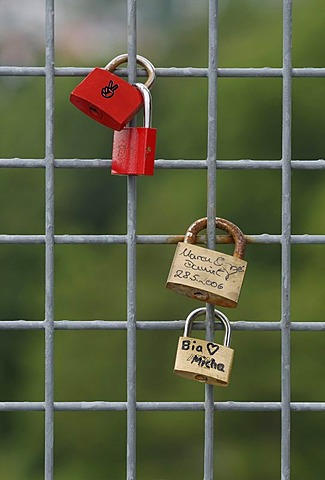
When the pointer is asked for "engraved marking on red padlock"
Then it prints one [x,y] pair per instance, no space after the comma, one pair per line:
[134,147]
[108,98]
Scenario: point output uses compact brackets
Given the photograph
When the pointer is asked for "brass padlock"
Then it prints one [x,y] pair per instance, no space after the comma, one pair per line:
[207,275]
[206,362]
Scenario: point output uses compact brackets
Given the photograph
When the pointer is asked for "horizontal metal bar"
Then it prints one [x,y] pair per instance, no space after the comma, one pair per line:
[269,72]
[261,239]
[162,164]
[64,239]
[242,325]
[244,164]
[162,406]
[167,72]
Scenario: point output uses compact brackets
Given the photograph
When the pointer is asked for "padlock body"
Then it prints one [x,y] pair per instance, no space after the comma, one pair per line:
[134,151]
[203,361]
[206,275]
[107,98]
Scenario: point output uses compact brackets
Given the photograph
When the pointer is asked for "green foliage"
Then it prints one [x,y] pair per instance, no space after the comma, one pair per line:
[90,280]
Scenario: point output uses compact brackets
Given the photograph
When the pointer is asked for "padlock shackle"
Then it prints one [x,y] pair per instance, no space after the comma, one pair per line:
[147,104]
[223,224]
[144,62]
[218,315]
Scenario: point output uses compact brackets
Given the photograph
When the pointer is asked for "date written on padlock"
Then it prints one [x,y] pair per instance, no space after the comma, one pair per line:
[108,98]
[134,147]
[204,361]
[208,275]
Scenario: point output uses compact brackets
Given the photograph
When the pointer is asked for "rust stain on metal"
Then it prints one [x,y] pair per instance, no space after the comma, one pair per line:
[222,224]
[175,239]
[250,239]
[202,239]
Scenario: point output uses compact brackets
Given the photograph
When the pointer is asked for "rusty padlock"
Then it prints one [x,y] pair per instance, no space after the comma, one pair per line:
[107,98]
[207,275]
[134,147]
[204,361]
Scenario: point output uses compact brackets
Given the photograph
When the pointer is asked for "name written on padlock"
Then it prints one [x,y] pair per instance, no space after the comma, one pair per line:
[218,274]
[207,360]
[199,357]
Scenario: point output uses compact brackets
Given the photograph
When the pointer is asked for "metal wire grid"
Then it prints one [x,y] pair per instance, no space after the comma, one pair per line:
[131,239]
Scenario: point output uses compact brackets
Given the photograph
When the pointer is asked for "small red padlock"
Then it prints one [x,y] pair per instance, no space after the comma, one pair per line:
[109,99]
[134,147]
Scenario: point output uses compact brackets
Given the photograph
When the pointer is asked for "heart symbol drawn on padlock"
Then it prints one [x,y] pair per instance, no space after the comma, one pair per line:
[212,348]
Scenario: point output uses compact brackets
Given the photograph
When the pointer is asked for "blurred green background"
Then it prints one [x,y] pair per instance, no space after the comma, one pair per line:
[90,280]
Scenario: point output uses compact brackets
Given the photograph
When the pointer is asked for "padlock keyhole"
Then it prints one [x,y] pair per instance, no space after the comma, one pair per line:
[201,295]
[94,112]
[201,378]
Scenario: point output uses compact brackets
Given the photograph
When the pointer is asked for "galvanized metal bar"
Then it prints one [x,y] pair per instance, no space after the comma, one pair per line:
[262,239]
[211,225]
[49,242]
[286,240]
[162,164]
[187,72]
[240,325]
[101,406]
[131,264]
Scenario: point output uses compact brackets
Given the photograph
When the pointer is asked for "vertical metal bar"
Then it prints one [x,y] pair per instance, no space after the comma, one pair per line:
[49,241]
[131,327]
[211,214]
[286,239]
[131,265]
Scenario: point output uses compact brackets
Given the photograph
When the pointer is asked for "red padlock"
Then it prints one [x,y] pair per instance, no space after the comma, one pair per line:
[134,147]
[109,99]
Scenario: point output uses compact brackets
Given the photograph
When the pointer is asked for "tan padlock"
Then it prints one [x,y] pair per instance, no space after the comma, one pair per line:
[207,275]
[203,361]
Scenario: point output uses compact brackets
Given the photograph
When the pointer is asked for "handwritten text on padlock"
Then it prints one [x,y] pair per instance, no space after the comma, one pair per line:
[221,268]
[203,360]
